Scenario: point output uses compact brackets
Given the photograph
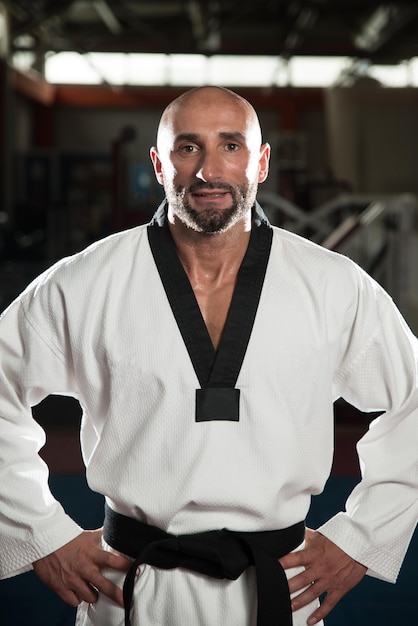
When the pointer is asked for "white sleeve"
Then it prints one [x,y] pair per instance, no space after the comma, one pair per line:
[379,373]
[32,523]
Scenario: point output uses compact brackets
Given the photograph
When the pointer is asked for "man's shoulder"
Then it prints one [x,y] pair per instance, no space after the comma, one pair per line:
[112,250]
[122,243]
[100,262]
[299,244]
[300,257]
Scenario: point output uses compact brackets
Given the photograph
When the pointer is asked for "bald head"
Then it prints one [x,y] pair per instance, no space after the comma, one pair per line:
[209,97]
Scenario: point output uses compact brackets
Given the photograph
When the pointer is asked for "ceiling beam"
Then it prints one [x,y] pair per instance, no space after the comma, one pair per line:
[37,14]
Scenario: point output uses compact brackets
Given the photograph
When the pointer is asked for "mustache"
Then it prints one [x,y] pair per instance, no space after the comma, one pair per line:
[200,186]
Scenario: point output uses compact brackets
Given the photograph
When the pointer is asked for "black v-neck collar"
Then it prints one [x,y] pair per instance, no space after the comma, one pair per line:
[214,368]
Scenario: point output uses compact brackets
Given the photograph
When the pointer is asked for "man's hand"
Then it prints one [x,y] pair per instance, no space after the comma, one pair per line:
[74,571]
[327,570]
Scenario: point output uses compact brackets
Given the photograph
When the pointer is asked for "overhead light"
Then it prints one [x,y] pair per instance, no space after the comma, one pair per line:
[371,34]
[205,24]
[306,18]
[24,42]
[383,23]
[108,17]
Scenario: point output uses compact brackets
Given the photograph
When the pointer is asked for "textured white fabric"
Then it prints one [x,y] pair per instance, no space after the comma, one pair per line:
[98,326]
[179,597]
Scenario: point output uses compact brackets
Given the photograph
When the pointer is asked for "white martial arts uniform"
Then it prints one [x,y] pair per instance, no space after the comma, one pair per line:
[97,326]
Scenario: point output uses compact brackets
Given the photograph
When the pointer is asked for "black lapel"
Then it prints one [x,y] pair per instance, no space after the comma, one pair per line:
[217,371]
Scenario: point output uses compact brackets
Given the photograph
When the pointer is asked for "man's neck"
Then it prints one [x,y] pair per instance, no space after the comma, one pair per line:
[214,257]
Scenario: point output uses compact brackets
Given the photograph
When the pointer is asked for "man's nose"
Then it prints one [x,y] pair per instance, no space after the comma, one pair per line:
[210,167]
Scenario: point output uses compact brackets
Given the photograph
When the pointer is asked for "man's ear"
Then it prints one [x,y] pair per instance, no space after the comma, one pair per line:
[263,164]
[156,161]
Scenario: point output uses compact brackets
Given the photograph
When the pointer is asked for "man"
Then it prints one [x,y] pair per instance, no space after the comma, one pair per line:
[206,350]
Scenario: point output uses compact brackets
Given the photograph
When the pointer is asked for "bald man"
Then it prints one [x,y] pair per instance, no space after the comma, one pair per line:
[206,349]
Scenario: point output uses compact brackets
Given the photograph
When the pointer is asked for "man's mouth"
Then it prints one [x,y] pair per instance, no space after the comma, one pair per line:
[210,194]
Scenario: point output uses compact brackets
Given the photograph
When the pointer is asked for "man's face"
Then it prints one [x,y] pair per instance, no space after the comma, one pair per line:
[210,161]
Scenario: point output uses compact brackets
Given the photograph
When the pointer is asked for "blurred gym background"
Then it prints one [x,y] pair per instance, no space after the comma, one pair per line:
[82,87]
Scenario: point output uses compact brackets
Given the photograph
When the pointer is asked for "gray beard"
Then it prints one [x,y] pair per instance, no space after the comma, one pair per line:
[212,220]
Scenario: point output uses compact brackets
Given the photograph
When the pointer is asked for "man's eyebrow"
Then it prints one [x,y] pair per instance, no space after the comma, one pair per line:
[231,135]
[187,137]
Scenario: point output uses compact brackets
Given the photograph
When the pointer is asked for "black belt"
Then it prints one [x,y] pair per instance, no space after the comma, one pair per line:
[216,553]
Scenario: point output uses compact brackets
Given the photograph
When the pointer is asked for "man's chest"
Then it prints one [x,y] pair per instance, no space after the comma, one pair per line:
[214,302]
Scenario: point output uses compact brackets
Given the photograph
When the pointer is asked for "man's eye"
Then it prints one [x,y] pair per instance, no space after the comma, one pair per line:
[231,147]
[188,149]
